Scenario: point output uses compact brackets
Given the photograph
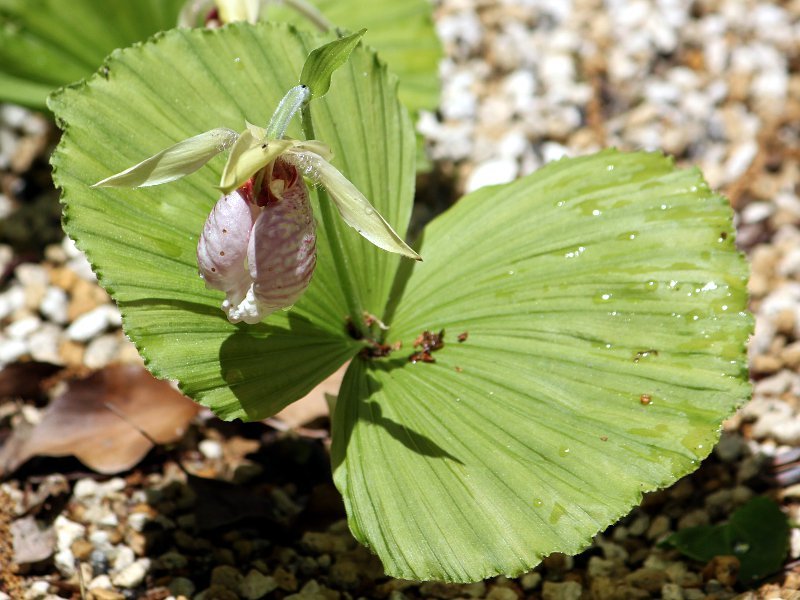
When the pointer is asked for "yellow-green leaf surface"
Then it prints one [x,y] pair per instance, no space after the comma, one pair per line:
[401,32]
[45,44]
[142,242]
[603,304]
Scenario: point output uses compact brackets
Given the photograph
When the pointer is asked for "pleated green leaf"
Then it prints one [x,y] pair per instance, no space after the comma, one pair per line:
[142,242]
[45,44]
[602,308]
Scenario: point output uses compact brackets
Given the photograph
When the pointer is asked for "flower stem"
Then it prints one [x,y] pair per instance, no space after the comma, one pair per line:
[340,258]
[311,13]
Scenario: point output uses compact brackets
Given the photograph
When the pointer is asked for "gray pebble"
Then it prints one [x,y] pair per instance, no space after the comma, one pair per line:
[256,585]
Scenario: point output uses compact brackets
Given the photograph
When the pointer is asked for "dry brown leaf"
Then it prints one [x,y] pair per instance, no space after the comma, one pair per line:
[79,422]
[314,404]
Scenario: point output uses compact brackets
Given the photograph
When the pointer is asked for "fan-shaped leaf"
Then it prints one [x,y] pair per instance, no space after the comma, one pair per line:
[142,242]
[601,306]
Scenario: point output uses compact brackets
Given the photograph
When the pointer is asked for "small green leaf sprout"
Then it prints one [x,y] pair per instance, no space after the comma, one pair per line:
[258,244]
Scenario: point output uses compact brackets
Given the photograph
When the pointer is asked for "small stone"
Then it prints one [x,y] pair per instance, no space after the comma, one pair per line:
[345,573]
[211,449]
[658,527]
[101,351]
[54,305]
[730,447]
[92,323]
[11,350]
[530,581]
[492,172]
[101,582]
[639,525]
[650,580]
[217,592]
[725,569]
[671,591]
[133,575]
[601,567]
[64,561]
[502,593]
[171,561]
[11,300]
[23,328]
[43,345]
[285,579]
[123,558]
[256,585]
[181,586]
[226,576]
[82,548]
[568,590]
[693,518]
[322,542]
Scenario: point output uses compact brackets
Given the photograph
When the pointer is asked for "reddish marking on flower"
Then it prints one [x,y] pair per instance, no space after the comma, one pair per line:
[462,337]
[645,399]
[458,369]
[603,438]
[281,172]
[213,15]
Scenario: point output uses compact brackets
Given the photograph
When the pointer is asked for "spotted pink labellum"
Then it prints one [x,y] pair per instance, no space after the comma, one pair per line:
[260,249]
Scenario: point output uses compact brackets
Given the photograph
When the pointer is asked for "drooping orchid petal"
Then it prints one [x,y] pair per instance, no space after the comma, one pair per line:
[222,249]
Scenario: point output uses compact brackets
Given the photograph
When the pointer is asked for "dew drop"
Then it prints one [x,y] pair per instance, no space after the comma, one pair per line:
[610,168]
[563,451]
[596,213]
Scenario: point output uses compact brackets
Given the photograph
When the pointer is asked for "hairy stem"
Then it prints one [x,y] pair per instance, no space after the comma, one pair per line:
[343,268]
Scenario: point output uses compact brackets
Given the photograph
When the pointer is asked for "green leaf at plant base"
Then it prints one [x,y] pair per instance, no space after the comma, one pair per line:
[323,61]
[603,304]
[401,32]
[142,242]
[45,44]
[757,534]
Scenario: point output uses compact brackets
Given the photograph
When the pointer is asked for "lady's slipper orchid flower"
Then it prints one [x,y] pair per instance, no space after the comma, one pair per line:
[258,244]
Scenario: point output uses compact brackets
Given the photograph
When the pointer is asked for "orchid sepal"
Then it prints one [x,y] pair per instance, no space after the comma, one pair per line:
[172,163]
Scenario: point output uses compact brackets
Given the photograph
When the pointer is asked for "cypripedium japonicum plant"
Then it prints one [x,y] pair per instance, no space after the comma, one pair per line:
[258,245]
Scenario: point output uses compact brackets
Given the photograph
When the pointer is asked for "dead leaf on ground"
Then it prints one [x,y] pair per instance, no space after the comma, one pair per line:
[25,380]
[79,422]
[32,543]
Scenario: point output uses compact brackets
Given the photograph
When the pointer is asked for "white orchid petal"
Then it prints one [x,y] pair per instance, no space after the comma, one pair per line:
[174,162]
[356,210]
[222,248]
